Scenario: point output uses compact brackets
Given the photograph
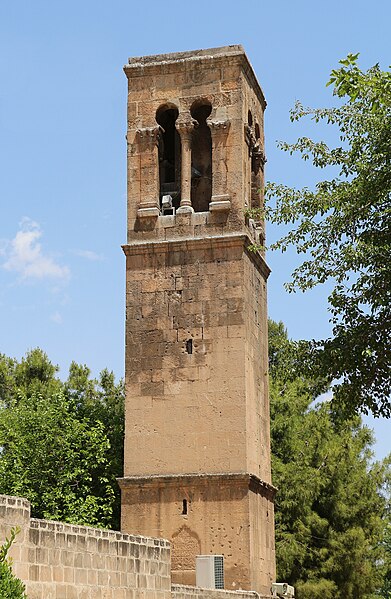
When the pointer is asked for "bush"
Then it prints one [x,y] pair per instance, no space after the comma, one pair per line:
[10,586]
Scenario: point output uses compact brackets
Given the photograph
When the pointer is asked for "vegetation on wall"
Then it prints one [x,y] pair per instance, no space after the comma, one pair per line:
[10,586]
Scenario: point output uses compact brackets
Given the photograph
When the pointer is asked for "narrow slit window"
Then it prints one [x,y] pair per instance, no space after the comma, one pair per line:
[189,346]
[184,507]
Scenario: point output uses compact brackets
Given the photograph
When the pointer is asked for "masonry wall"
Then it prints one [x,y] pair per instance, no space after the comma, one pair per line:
[180,591]
[197,422]
[182,412]
[62,561]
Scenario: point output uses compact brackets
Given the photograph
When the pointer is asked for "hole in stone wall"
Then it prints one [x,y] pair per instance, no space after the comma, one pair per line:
[184,507]
[169,154]
[189,346]
[257,131]
[201,157]
[250,118]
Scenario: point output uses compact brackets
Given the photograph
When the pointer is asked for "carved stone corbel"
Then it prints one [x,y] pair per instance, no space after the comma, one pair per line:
[148,138]
[218,126]
[219,130]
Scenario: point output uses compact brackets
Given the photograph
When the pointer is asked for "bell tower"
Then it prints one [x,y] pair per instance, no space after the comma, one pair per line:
[197,441]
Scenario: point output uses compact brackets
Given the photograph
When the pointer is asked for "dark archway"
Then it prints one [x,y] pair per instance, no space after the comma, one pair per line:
[201,157]
[169,154]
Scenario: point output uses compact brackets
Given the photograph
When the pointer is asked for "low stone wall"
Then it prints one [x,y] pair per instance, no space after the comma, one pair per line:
[62,561]
[180,591]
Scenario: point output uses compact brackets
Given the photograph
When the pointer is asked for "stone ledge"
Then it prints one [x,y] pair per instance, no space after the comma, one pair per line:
[148,212]
[195,243]
[98,533]
[220,204]
[183,590]
[252,482]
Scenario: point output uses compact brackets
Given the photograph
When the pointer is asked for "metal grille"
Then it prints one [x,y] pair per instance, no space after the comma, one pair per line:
[219,572]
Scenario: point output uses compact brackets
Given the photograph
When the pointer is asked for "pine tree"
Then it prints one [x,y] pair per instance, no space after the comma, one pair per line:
[329,506]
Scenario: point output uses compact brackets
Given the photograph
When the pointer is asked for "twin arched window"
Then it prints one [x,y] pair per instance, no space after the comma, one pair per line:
[170,155]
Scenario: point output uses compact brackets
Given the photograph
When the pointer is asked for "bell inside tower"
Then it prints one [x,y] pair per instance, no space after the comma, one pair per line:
[169,154]
[201,157]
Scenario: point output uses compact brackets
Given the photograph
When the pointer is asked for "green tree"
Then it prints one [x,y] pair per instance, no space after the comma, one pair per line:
[102,401]
[344,228]
[330,504]
[61,443]
[10,586]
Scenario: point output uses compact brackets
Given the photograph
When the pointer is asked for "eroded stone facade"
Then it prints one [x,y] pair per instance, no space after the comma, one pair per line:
[63,561]
[197,442]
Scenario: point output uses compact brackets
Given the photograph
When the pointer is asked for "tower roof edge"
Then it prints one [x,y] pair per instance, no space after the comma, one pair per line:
[200,54]
[142,65]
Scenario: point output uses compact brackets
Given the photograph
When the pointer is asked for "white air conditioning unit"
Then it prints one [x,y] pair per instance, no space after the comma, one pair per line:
[210,571]
[282,589]
[167,207]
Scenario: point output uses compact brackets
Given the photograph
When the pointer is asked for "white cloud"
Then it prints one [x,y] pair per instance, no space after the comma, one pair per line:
[88,254]
[25,256]
[56,317]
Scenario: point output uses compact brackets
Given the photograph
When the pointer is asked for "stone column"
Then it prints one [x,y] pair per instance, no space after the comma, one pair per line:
[257,189]
[219,131]
[257,166]
[185,126]
[147,140]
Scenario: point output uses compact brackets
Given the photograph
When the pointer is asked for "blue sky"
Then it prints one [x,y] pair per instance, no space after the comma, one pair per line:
[63,152]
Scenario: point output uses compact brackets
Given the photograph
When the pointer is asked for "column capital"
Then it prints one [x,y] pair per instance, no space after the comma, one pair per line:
[258,155]
[185,125]
[218,126]
[148,137]
[249,137]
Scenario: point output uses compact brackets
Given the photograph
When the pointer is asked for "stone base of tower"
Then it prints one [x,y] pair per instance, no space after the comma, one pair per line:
[230,514]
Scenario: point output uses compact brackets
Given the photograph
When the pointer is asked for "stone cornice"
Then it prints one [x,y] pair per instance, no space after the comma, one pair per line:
[250,481]
[193,243]
[178,61]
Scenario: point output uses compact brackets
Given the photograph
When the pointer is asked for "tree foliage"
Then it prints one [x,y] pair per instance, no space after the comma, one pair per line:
[61,442]
[344,229]
[330,506]
[10,586]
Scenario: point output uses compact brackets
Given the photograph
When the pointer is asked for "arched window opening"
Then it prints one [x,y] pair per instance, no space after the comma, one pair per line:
[249,119]
[257,131]
[184,507]
[201,158]
[169,155]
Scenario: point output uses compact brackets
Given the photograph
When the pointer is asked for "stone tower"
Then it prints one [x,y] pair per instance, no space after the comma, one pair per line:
[197,444]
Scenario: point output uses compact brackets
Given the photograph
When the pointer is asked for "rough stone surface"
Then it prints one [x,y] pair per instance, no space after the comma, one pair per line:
[197,441]
[63,561]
